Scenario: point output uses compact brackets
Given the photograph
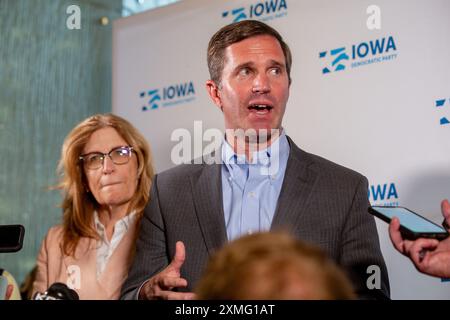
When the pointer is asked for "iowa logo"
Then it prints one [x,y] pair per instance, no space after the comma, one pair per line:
[168,96]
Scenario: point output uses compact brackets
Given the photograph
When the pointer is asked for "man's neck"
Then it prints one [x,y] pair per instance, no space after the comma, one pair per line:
[249,144]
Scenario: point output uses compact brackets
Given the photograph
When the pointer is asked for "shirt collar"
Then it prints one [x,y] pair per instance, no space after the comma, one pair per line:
[125,221]
[262,157]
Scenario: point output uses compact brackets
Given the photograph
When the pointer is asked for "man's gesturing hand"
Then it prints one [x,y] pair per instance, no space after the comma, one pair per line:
[161,285]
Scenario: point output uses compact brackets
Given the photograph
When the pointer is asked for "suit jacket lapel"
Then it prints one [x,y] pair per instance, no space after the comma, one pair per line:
[207,195]
[298,184]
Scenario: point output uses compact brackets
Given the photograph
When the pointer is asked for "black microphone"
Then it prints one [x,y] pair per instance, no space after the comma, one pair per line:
[11,237]
[57,291]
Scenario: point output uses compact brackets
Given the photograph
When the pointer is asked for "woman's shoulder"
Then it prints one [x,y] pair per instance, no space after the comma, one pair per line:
[51,243]
[54,234]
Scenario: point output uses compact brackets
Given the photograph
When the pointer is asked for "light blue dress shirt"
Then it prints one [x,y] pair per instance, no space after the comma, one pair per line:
[251,190]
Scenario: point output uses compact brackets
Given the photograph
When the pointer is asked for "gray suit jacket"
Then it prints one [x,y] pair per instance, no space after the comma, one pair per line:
[320,202]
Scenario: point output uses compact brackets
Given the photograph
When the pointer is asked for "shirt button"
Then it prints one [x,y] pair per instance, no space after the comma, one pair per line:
[251,194]
[250,232]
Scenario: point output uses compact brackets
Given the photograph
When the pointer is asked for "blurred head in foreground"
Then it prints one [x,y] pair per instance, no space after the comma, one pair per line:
[272,266]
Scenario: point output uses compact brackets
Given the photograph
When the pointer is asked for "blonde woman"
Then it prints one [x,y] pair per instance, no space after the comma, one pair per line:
[106,174]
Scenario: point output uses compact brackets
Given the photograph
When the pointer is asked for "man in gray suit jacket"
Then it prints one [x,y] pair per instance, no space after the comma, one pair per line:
[195,208]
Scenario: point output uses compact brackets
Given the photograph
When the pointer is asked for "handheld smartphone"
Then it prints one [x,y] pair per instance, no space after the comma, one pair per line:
[412,225]
[11,237]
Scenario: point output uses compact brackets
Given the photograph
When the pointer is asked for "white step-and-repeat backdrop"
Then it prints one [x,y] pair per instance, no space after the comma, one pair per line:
[371,91]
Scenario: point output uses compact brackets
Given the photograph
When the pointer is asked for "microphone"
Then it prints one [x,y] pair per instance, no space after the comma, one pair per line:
[11,237]
[57,291]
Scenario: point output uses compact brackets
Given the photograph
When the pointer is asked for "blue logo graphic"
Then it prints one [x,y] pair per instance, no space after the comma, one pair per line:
[238,14]
[364,53]
[168,96]
[262,10]
[384,194]
[440,104]
[154,98]
[339,54]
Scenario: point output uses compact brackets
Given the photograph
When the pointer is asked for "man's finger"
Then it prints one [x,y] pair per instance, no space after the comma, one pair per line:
[167,283]
[170,295]
[395,235]
[149,289]
[420,248]
[445,208]
[180,255]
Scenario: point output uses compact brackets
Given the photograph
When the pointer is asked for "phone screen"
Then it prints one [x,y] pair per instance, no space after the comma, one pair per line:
[410,220]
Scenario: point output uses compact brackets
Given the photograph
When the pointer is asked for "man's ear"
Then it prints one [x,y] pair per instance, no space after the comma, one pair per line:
[214,93]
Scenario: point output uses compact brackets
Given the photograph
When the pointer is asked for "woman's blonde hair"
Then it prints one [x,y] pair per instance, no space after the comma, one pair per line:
[78,205]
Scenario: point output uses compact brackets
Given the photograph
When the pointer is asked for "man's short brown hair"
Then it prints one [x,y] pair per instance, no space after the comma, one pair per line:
[237,32]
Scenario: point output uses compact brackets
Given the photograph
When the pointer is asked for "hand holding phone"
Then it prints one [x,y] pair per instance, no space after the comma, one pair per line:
[430,256]
[412,225]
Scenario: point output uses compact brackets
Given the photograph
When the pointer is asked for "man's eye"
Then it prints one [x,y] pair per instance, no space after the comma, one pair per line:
[244,72]
[275,71]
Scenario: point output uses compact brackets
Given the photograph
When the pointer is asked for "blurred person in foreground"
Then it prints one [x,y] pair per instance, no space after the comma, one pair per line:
[106,174]
[272,266]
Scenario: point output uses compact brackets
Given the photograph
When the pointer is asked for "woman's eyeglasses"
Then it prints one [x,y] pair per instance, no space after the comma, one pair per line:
[94,160]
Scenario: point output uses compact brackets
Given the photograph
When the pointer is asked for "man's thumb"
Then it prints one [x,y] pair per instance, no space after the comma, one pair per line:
[180,255]
[445,207]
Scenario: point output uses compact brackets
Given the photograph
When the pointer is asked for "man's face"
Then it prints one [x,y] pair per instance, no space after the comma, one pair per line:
[254,88]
